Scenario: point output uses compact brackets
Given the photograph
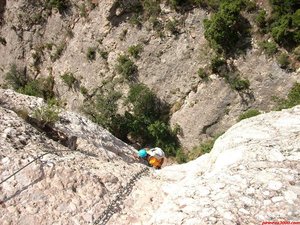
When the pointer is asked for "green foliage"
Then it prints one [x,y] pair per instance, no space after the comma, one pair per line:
[151,8]
[163,136]
[103,54]
[60,5]
[249,5]
[37,57]
[249,113]
[218,65]
[21,82]
[172,26]
[126,67]
[144,101]
[16,78]
[104,109]
[41,87]
[69,79]
[3,41]
[268,47]
[208,4]
[83,90]
[176,3]
[285,22]
[260,19]
[225,29]
[91,54]
[292,100]
[232,77]
[202,74]
[135,50]
[283,60]
[83,10]
[49,113]
[297,53]
[145,123]
[239,84]
[204,147]
[58,53]
[181,157]
[136,20]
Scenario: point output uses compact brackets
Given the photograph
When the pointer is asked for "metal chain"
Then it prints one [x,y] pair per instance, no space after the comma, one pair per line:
[123,192]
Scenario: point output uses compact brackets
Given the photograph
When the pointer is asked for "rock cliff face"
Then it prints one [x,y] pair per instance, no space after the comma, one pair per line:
[66,186]
[48,42]
[251,175]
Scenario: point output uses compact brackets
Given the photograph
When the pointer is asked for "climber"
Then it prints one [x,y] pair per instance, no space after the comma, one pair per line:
[154,156]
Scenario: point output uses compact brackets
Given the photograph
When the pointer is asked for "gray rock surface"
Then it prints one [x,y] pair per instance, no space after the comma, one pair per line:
[168,64]
[63,187]
[250,176]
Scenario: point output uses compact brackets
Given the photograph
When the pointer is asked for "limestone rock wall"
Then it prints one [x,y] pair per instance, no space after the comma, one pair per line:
[168,63]
[250,176]
[67,186]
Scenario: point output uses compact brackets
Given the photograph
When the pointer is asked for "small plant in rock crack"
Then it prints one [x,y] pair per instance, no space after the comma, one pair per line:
[126,67]
[203,74]
[69,79]
[248,114]
[49,113]
[91,54]
[135,50]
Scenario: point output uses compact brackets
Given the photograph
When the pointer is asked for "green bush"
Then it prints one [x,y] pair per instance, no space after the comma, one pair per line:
[202,74]
[146,121]
[283,60]
[224,29]
[16,78]
[69,79]
[136,20]
[126,67]
[60,5]
[240,84]
[41,87]
[144,101]
[269,48]
[22,83]
[83,10]
[285,22]
[204,147]
[135,50]
[103,54]
[32,88]
[58,52]
[83,90]
[151,8]
[292,100]
[49,113]
[249,5]
[91,54]
[208,4]
[297,52]
[260,19]
[249,113]
[171,26]
[218,65]
[181,157]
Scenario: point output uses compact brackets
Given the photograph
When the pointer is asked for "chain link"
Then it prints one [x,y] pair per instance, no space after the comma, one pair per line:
[123,192]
